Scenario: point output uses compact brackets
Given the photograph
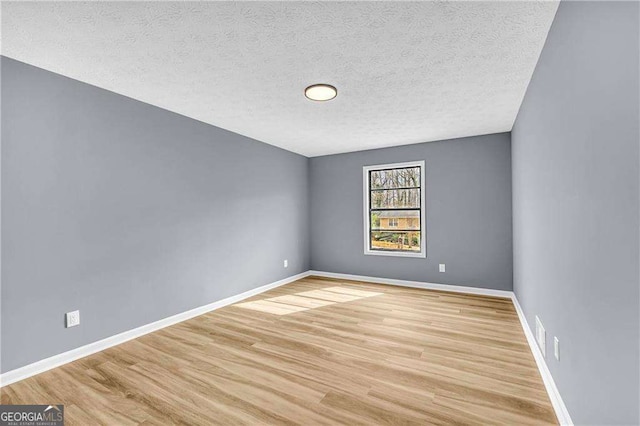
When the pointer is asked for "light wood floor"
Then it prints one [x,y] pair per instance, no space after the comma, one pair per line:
[319,352]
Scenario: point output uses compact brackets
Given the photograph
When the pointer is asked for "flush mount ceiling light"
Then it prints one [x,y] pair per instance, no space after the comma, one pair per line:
[320,92]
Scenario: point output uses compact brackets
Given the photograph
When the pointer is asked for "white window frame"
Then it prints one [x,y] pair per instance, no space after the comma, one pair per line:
[367,216]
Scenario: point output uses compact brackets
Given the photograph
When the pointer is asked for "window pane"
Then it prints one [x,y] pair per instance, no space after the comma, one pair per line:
[395,198]
[395,219]
[395,178]
[395,241]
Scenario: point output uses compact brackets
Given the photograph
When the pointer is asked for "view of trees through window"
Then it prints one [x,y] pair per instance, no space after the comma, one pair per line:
[394,206]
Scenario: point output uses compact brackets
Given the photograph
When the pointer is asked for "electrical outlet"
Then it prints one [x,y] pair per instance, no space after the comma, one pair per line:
[286,263]
[541,337]
[556,348]
[442,267]
[73,318]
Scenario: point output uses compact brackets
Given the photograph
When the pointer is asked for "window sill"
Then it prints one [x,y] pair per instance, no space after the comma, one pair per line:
[421,255]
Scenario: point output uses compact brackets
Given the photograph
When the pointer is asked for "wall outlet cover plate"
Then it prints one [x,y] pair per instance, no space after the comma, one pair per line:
[72,318]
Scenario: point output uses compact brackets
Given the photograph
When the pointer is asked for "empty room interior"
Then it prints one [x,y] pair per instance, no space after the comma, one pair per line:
[320,213]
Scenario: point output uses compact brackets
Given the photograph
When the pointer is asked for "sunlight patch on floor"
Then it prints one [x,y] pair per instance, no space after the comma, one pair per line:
[303,301]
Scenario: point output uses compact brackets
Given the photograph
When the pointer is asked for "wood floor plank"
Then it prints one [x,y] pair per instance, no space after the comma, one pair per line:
[316,351]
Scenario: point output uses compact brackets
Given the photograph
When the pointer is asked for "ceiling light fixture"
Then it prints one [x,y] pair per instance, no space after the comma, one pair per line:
[320,92]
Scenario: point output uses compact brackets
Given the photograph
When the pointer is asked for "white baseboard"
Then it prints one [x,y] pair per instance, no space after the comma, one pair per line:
[416,284]
[83,351]
[556,400]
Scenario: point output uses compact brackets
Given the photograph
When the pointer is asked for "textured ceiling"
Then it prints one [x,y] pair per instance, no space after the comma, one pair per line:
[405,72]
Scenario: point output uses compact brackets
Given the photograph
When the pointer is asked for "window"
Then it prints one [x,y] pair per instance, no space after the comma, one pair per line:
[394,209]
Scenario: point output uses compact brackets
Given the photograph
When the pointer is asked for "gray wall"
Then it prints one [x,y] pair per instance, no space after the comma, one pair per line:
[575,207]
[468,213]
[130,213]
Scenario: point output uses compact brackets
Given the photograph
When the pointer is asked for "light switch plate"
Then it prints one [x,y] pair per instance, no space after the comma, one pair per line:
[442,267]
[556,348]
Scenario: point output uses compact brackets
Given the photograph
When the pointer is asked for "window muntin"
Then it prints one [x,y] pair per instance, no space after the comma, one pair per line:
[394,206]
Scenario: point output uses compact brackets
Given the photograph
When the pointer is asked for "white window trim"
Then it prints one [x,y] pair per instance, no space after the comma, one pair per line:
[367,216]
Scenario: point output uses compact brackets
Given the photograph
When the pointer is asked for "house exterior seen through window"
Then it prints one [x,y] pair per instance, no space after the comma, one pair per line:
[394,209]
